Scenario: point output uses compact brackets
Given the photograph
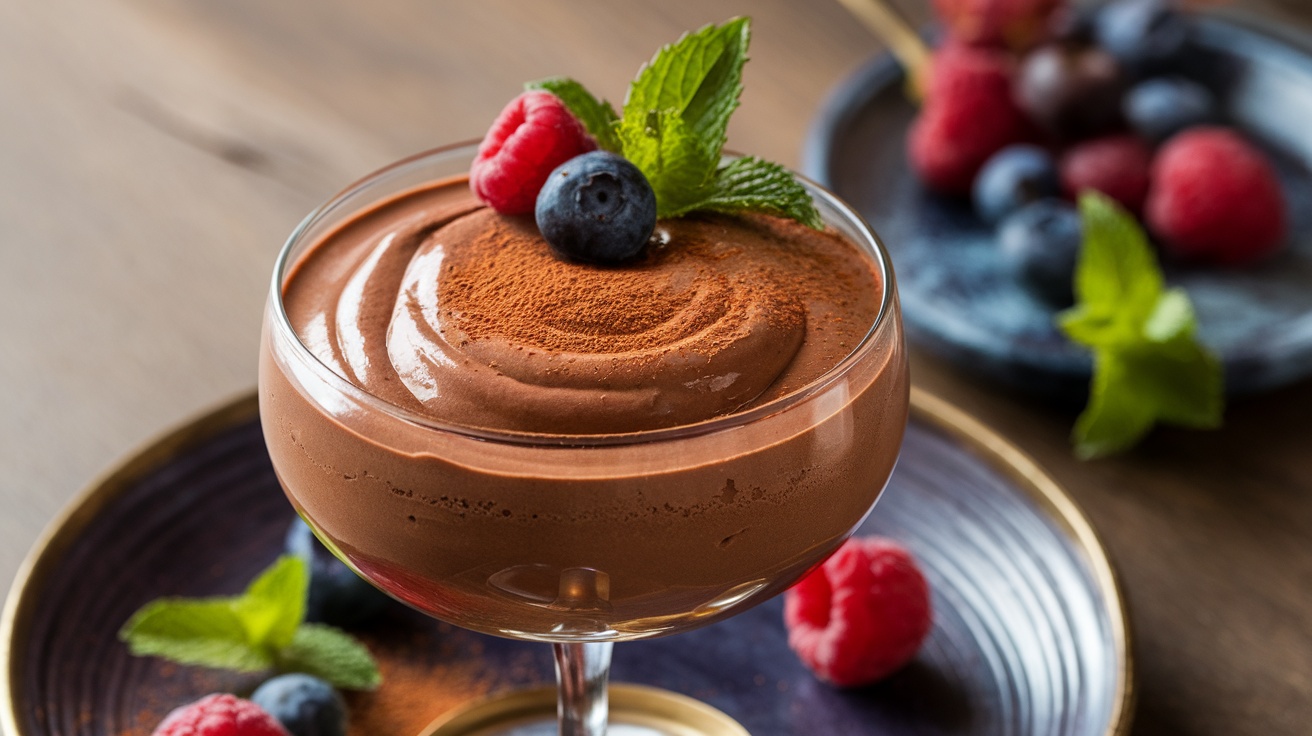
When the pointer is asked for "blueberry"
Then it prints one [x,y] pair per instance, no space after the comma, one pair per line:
[1143,35]
[304,705]
[1160,108]
[597,208]
[1012,178]
[337,595]
[1041,244]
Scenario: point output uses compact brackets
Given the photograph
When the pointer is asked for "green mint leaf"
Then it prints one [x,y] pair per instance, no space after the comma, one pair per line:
[597,116]
[1117,279]
[274,603]
[331,655]
[663,148]
[1149,366]
[751,184]
[205,632]
[699,79]
[1117,416]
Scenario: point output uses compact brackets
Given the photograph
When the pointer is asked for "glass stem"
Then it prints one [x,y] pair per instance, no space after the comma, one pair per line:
[581,672]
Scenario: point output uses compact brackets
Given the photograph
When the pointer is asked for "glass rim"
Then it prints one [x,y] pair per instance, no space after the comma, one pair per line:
[282,324]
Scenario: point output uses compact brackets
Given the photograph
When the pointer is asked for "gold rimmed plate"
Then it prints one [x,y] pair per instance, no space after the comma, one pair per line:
[1030,633]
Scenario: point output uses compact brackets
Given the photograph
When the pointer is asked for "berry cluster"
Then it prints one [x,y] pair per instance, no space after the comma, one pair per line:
[1030,102]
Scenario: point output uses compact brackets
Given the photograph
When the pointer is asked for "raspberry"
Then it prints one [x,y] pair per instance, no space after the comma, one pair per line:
[1214,197]
[1117,165]
[968,116]
[219,715]
[1016,24]
[534,134]
[861,615]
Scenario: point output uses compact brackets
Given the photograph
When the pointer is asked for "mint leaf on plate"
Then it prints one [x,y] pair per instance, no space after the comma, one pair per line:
[331,655]
[751,184]
[597,116]
[206,632]
[260,629]
[274,603]
[1149,366]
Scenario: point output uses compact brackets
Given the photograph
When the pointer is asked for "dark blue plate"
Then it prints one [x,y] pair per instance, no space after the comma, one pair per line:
[961,303]
[1029,636]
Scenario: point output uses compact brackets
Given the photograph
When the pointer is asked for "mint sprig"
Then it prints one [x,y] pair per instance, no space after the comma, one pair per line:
[263,628]
[675,123]
[1149,366]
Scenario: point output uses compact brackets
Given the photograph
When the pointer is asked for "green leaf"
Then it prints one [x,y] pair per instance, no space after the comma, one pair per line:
[597,116]
[751,184]
[1149,366]
[1117,416]
[274,603]
[1117,277]
[205,632]
[331,655]
[663,148]
[699,79]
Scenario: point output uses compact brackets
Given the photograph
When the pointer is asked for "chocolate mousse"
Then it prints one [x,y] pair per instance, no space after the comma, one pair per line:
[516,490]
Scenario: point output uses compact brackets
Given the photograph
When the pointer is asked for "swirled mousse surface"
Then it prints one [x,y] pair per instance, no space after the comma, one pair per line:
[446,308]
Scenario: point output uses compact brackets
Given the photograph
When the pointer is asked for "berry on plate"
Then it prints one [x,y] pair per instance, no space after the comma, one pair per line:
[337,596]
[861,615]
[1014,177]
[1143,35]
[1041,245]
[1071,90]
[969,115]
[219,714]
[304,705]
[1116,165]
[597,208]
[1015,24]
[1215,198]
[1159,108]
[534,134]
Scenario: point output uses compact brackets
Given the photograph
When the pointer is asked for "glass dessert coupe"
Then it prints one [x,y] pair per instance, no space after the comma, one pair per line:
[579,540]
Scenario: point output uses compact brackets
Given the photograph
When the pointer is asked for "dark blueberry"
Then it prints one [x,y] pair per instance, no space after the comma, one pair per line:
[1041,244]
[337,595]
[1012,178]
[304,705]
[1160,108]
[1072,90]
[1144,35]
[597,208]
[1074,24]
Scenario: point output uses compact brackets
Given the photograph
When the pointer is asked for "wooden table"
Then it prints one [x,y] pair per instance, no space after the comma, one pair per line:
[155,153]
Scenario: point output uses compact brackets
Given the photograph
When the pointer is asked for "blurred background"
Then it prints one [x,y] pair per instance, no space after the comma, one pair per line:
[154,154]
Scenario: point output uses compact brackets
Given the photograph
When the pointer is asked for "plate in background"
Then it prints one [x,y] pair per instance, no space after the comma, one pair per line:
[960,302]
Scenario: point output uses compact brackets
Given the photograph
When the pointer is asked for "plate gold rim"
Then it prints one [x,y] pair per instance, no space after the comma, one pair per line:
[63,530]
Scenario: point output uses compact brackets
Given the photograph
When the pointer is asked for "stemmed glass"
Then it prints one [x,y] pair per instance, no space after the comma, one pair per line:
[579,540]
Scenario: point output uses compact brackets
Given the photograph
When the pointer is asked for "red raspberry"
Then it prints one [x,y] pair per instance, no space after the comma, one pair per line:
[534,134]
[220,715]
[1016,24]
[969,115]
[1116,165]
[956,68]
[1214,197]
[861,615]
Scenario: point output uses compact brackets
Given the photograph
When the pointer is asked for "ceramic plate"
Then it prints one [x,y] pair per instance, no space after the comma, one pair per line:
[1029,636]
[960,302]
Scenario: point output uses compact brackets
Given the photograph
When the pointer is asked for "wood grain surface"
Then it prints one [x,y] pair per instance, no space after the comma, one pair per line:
[155,153]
